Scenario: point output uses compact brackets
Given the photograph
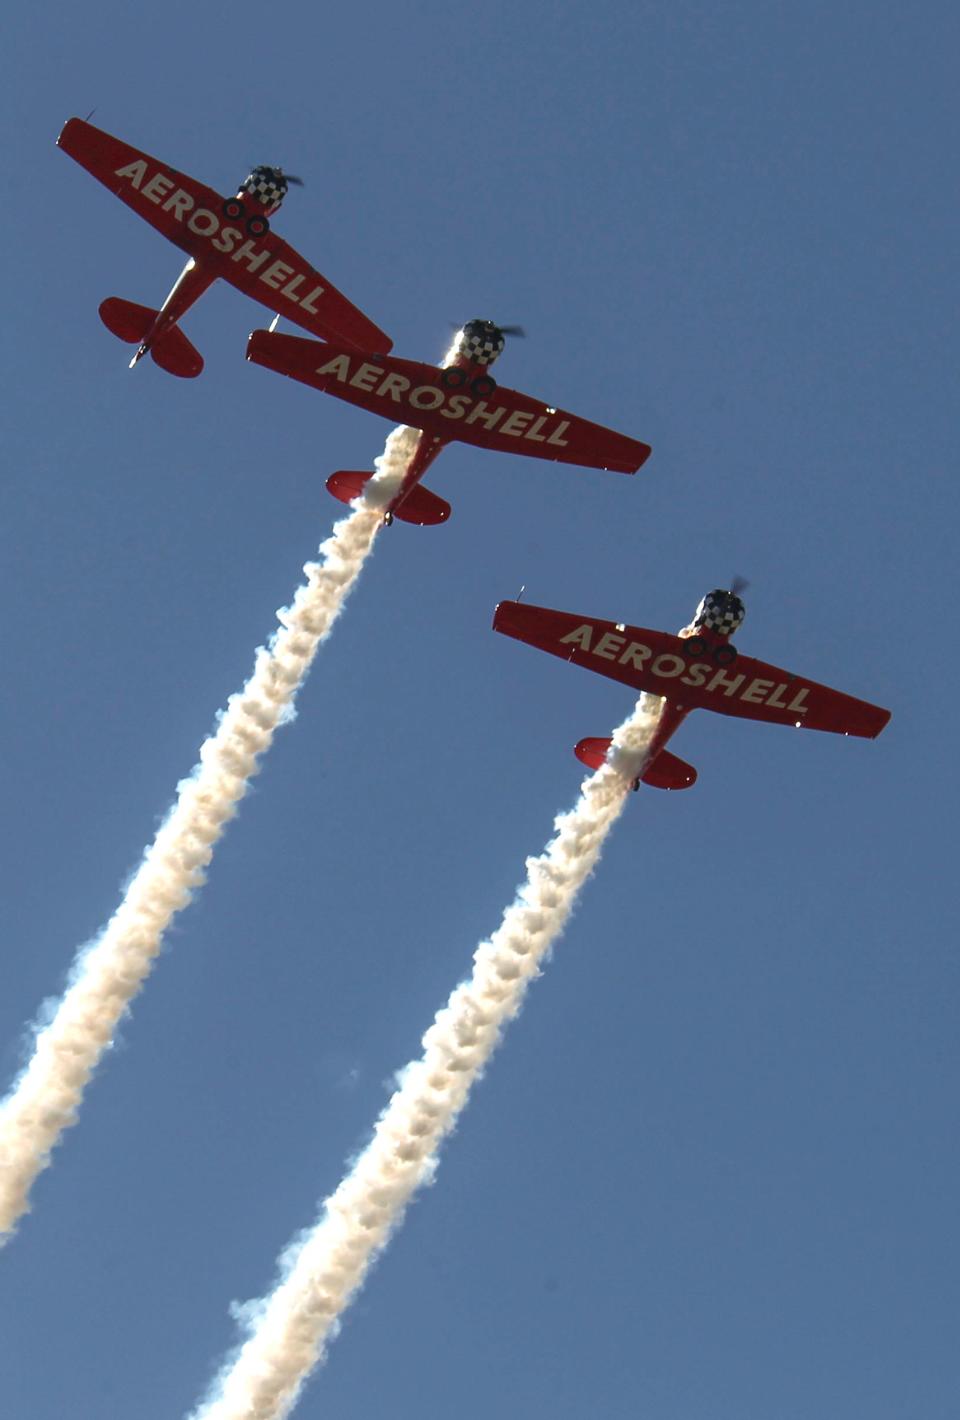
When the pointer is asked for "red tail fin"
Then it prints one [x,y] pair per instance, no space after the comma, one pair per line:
[420,506]
[348,484]
[423,507]
[592,752]
[132,323]
[174,353]
[666,771]
[126,320]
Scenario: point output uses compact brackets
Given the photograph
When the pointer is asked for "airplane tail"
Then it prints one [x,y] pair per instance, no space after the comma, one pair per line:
[665,770]
[126,320]
[668,771]
[420,506]
[172,351]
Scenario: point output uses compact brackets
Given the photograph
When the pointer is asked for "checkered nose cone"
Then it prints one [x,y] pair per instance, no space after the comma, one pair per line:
[481,342]
[720,611]
[267,185]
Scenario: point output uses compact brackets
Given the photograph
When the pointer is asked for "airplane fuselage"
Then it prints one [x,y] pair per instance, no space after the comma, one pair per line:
[203,268]
[430,445]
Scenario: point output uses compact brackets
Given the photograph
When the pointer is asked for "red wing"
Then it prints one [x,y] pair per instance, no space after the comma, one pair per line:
[409,392]
[140,181]
[375,382]
[287,284]
[657,662]
[515,423]
[190,214]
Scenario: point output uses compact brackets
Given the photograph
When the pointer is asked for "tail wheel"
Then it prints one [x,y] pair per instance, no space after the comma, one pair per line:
[695,646]
[258,226]
[483,386]
[453,378]
[233,208]
[725,655]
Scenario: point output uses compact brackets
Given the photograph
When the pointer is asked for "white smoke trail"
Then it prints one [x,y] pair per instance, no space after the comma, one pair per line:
[108,973]
[323,1269]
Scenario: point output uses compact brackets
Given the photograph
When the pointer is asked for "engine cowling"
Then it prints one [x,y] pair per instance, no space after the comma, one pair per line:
[481,342]
[721,612]
[268,186]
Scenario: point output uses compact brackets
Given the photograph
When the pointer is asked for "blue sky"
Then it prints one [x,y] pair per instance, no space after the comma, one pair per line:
[713,1169]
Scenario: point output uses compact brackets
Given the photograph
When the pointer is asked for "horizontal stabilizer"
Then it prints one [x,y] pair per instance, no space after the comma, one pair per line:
[348,484]
[126,320]
[174,353]
[665,771]
[592,752]
[422,507]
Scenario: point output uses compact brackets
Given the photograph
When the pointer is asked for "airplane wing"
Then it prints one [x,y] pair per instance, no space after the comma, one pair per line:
[409,392]
[290,286]
[190,214]
[140,181]
[661,664]
[515,423]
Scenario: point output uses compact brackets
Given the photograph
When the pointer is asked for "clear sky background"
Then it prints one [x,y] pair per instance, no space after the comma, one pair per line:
[713,1170]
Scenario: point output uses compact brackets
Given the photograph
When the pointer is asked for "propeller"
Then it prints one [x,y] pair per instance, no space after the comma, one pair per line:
[516,330]
[287,177]
[738,585]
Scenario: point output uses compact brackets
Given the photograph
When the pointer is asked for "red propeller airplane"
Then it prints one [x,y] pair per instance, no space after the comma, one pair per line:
[228,237]
[698,669]
[458,400]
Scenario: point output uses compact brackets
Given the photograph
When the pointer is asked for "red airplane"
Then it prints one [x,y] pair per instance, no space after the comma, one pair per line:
[228,237]
[698,669]
[458,400]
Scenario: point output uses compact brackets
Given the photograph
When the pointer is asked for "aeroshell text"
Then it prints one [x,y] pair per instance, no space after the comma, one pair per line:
[667,666]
